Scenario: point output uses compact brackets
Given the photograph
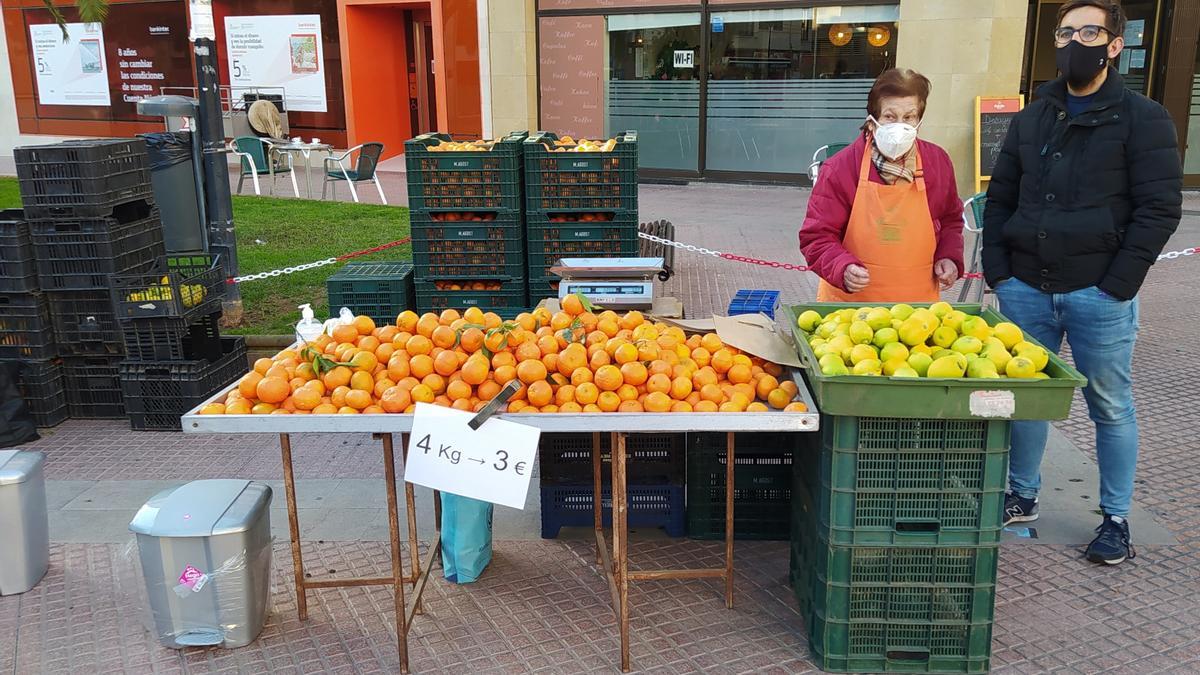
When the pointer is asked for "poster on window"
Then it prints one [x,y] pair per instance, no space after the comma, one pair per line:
[278,51]
[70,72]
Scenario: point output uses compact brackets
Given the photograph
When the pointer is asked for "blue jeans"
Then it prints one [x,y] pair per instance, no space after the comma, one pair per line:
[1101,331]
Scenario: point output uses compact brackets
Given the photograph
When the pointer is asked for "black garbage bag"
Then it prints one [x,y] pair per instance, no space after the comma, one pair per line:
[16,423]
[168,148]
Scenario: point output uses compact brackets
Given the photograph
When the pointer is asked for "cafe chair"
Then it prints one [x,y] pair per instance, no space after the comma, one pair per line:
[974,290]
[259,157]
[821,156]
[363,171]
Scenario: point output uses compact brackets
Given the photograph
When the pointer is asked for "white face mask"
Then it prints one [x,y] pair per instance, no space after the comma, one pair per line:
[896,139]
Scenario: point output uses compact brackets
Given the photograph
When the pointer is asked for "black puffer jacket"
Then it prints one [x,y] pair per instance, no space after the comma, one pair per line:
[1083,201]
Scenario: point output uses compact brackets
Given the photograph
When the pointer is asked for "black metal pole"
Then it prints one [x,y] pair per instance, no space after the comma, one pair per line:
[211,129]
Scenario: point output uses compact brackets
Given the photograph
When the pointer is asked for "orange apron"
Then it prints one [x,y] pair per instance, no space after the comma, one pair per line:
[891,232]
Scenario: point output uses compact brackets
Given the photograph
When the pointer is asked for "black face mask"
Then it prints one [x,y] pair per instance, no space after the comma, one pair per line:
[1081,63]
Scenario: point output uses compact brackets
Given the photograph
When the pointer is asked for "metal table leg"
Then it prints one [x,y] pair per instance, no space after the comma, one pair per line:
[389,475]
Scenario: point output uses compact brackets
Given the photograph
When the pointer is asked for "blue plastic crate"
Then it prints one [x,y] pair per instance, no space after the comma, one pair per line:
[753,301]
[649,506]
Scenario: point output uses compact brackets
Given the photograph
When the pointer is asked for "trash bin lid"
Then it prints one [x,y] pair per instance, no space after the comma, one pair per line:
[16,466]
[202,508]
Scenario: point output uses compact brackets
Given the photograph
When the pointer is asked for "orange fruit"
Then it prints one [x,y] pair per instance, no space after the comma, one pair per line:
[347,410]
[712,393]
[587,393]
[539,394]
[528,351]
[739,374]
[444,337]
[581,375]
[570,407]
[305,398]
[575,356]
[681,407]
[773,369]
[248,386]
[492,320]
[305,371]
[660,367]
[564,394]
[796,406]
[382,385]
[626,353]
[362,381]
[407,321]
[422,394]
[634,373]
[701,356]
[263,409]
[364,362]
[765,385]
[458,390]
[607,326]
[503,359]
[560,320]
[487,390]
[435,382]
[358,399]
[631,320]
[704,376]
[745,389]
[213,409]
[515,406]
[445,363]
[531,371]
[681,388]
[599,359]
[262,365]
[395,400]
[711,342]
[609,378]
[722,360]
[572,305]
[442,401]
[408,383]
[471,339]
[608,401]
[278,371]
[384,352]
[272,390]
[418,344]
[325,409]
[658,383]
[344,333]
[338,396]
[368,343]
[420,365]
[790,387]
[548,344]
[730,407]
[397,367]
[449,316]
[476,370]
[628,392]
[316,385]
[463,404]
[364,324]
[373,410]
[757,407]
[657,401]
[473,315]
[630,407]
[739,400]
[505,374]
[778,398]
[592,408]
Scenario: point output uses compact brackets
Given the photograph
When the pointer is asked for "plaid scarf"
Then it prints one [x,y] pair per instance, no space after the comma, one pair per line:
[903,169]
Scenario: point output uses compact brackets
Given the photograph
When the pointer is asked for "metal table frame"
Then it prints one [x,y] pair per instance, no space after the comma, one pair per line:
[305,149]
[615,567]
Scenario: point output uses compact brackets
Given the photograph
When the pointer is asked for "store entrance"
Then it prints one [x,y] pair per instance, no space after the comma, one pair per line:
[422,95]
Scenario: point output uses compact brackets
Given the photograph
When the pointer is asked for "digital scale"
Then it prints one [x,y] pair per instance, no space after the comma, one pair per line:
[612,283]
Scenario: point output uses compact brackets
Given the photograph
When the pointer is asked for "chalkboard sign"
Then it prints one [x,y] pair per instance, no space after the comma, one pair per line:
[993,114]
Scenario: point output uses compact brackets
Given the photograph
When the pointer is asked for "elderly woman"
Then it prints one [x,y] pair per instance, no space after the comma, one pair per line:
[884,222]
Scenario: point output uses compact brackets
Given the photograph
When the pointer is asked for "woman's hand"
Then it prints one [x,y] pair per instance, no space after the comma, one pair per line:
[946,272]
[855,278]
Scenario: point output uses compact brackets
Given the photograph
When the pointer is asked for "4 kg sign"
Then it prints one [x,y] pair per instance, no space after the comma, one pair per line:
[492,464]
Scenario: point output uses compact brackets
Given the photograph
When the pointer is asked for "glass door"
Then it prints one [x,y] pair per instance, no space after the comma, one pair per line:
[784,82]
[653,86]
[1191,155]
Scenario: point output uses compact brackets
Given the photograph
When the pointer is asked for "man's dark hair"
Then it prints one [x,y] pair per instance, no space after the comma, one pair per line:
[1114,16]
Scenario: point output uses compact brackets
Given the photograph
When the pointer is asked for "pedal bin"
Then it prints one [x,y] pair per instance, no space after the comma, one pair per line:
[25,553]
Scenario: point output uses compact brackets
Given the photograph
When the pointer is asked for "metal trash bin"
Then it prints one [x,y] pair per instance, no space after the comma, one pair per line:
[25,553]
[205,551]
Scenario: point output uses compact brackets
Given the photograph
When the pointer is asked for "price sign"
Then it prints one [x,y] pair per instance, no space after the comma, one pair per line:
[492,464]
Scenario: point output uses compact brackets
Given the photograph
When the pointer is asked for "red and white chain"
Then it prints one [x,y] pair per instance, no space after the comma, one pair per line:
[1193,250]
[319,263]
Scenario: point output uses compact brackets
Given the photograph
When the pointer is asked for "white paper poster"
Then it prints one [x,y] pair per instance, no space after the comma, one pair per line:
[71,72]
[278,51]
[202,20]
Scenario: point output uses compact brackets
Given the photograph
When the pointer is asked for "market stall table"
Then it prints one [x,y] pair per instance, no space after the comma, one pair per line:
[620,425]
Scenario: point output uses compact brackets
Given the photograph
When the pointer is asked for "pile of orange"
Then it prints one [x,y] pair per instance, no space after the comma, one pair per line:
[573,361]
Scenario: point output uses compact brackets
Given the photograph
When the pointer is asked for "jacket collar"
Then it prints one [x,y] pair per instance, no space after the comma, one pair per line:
[1111,93]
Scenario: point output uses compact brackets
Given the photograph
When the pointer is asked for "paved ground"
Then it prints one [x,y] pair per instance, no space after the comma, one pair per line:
[542,607]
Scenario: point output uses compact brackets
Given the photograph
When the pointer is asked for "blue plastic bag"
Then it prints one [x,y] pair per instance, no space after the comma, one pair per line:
[466,538]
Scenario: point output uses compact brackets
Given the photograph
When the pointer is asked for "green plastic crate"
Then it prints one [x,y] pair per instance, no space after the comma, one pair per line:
[762,485]
[945,398]
[380,290]
[547,241]
[900,647]
[581,181]
[468,250]
[462,180]
[899,481]
[509,301]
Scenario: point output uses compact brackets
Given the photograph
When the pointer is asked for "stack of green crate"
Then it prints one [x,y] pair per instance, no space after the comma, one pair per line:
[380,290]
[897,509]
[465,209]
[578,205]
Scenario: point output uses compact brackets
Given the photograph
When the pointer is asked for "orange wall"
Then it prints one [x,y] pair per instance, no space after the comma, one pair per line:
[460,42]
[377,78]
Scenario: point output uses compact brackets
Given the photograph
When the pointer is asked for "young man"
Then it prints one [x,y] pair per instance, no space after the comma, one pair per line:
[1084,196]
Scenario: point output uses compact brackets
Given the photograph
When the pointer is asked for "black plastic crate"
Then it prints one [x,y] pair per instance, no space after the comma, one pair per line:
[762,485]
[461,180]
[649,506]
[179,287]
[18,274]
[42,386]
[492,246]
[507,301]
[564,180]
[652,459]
[84,178]
[85,254]
[85,324]
[93,387]
[560,235]
[26,330]
[158,393]
[164,339]
[380,290]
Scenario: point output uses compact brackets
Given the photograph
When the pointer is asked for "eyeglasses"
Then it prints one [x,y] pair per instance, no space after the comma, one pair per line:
[1087,34]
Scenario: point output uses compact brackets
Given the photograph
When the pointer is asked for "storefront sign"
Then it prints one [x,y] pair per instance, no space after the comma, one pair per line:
[202,20]
[278,51]
[718,24]
[71,72]
[492,464]
[685,58]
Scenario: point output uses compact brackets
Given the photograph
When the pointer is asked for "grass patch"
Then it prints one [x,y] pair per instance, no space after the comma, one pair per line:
[274,233]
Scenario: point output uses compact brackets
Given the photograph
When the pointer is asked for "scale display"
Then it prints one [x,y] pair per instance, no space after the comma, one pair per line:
[630,294]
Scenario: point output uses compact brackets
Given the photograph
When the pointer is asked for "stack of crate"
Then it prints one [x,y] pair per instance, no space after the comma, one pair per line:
[895,540]
[91,216]
[169,319]
[762,490]
[467,229]
[655,469]
[380,290]
[578,205]
[26,334]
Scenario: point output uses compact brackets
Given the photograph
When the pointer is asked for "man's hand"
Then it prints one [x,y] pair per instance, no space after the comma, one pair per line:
[855,278]
[946,272]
